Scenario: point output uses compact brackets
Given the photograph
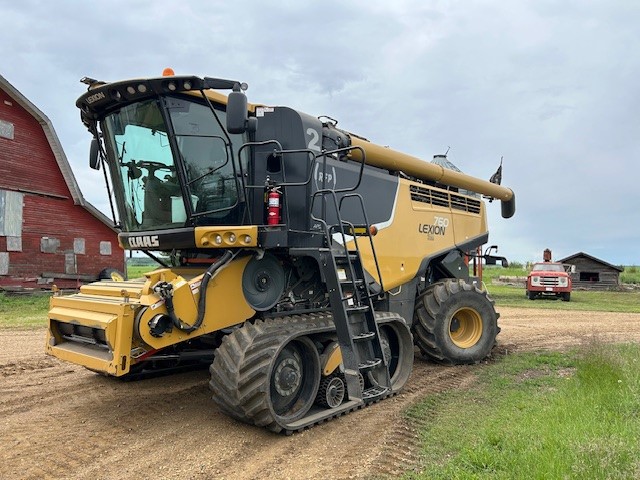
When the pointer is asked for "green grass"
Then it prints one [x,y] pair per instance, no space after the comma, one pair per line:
[603,301]
[30,311]
[538,416]
[24,311]
[137,271]
[599,301]
[490,273]
[631,274]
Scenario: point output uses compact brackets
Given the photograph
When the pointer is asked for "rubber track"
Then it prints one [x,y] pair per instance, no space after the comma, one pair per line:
[240,370]
[427,309]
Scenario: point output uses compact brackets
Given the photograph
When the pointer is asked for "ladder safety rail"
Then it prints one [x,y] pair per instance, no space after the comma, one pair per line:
[367,231]
[350,296]
[280,153]
[333,191]
[326,153]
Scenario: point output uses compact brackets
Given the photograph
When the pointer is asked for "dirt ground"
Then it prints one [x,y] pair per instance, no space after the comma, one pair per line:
[62,421]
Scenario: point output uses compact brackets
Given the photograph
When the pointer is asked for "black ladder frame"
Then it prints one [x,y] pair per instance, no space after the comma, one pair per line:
[350,296]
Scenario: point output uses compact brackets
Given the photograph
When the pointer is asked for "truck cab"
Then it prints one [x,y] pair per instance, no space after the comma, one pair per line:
[549,279]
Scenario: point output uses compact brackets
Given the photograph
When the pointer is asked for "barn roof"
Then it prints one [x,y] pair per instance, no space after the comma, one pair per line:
[586,255]
[56,148]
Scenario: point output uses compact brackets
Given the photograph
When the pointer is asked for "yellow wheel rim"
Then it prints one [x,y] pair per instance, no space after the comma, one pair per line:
[465,328]
[117,277]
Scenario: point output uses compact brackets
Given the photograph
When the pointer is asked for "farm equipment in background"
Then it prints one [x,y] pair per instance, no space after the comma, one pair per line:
[549,279]
[305,261]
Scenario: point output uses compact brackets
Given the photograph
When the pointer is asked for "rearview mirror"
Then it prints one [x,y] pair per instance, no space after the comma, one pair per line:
[94,154]
[237,112]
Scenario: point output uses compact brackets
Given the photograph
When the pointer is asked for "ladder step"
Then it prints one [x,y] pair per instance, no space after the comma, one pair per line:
[363,337]
[358,309]
[369,364]
[344,259]
[373,392]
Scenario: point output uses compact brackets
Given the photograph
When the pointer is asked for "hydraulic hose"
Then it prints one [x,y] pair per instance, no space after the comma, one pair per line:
[166,291]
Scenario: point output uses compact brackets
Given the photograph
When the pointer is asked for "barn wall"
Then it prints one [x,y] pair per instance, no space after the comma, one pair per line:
[26,162]
[61,240]
[49,234]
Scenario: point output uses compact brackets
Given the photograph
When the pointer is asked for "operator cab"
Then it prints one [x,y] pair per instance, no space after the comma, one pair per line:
[172,162]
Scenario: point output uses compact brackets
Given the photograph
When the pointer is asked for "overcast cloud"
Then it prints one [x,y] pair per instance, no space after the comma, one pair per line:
[553,86]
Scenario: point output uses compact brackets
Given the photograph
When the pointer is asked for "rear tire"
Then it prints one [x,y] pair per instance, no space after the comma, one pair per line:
[455,323]
[111,274]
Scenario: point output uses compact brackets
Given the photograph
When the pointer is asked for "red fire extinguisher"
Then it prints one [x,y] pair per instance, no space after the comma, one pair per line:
[273,206]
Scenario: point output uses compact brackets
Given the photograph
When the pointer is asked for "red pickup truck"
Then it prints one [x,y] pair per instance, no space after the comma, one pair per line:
[549,279]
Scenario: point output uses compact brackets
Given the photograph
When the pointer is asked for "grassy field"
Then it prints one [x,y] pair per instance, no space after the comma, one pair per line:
[514,296]
[30,311]
[137,271]
[538,416]
[510,296]
[631,274]
[24,311]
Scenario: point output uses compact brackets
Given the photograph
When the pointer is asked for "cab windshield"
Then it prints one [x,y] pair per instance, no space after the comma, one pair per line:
[548,267]
[172,177]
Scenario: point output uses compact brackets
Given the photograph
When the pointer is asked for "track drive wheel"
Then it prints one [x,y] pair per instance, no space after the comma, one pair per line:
[294,379]
[455,323]
[266,374]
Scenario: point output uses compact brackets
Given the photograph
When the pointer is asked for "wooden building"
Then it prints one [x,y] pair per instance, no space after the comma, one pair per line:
[591,272]
[48,232]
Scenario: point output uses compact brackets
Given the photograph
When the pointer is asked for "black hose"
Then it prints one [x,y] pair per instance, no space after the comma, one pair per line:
[179,324]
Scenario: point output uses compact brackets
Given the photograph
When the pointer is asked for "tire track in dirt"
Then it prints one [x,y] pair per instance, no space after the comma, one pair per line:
[402,443]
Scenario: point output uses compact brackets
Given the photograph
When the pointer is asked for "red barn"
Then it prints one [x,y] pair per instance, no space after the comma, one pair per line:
[48,232]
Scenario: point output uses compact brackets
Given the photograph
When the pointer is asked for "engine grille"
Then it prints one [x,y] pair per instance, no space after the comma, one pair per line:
[444,199]
[549,281]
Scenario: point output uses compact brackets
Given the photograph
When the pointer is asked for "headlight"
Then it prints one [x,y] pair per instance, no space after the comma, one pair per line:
[562,281]
[535,280]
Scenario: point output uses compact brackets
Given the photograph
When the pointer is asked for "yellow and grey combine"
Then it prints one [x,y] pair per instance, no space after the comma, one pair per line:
[299,262]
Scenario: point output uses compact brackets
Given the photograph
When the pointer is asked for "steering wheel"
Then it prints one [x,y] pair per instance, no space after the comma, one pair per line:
[149,165]
[152,166]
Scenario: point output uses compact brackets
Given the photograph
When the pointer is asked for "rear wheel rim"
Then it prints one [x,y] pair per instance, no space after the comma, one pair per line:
[117,277]
[465,328]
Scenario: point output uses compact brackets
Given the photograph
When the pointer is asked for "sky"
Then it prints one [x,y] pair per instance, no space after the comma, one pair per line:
[551,86]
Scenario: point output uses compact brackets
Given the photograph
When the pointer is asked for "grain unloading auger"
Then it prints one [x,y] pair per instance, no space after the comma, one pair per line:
[302,261]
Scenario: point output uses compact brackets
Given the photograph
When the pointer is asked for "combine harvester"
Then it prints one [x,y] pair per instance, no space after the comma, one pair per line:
[304,261]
